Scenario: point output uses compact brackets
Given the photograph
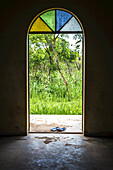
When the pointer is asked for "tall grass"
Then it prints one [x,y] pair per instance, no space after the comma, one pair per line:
[48,94]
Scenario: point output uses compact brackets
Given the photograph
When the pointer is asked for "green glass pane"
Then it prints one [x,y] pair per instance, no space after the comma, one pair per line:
[49,18]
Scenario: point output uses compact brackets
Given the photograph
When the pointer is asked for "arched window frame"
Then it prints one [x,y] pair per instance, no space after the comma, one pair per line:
[83,59]
[55,32]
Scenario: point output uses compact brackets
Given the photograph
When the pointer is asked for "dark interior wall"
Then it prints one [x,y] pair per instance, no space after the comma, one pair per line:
[97,20]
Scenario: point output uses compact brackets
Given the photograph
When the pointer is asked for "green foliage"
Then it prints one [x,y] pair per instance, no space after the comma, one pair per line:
[48,93]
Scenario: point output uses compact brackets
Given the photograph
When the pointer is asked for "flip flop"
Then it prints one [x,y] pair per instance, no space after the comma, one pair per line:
[61,129]
[54,129]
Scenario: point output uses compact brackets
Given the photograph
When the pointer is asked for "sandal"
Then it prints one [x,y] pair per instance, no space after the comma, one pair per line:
[61,129]
[54,129]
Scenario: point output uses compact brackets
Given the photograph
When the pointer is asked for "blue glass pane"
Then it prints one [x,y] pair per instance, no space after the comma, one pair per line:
[61,18]
[72,25]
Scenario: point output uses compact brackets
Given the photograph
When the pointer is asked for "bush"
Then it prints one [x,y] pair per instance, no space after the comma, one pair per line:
[49,95]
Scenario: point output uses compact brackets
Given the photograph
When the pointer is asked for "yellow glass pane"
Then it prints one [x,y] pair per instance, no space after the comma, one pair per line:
[39,25]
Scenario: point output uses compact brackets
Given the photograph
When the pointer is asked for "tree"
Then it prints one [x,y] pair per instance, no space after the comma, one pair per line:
[46,49]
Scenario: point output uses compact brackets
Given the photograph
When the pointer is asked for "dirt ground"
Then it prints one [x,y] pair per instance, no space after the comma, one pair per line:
[44,123]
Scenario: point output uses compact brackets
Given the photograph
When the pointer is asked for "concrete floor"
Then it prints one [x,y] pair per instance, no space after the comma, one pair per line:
[56,151]
[43,123]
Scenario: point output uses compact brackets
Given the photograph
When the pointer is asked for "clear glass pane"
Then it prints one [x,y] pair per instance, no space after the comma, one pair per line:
[61,18]
[72,25]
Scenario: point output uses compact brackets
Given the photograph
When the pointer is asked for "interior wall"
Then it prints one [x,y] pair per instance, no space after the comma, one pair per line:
[97,19]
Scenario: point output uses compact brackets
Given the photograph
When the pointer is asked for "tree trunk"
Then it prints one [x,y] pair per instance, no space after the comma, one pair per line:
[50,61]
[68,69]
[60,69]
[57,61]
[78,65]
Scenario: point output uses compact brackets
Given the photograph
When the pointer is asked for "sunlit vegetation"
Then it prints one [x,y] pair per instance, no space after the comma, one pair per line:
[55,74]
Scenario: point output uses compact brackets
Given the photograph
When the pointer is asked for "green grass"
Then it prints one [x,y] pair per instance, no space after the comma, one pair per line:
[57,108]
[48,95]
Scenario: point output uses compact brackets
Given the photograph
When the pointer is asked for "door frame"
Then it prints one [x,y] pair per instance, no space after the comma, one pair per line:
[27,74]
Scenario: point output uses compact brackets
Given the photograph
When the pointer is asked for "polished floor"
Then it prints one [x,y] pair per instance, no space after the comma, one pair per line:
[56,152]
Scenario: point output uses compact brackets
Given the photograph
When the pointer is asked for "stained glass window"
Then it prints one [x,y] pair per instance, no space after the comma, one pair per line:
[49,18]
[72,25]
[61,18]
[55,21]
[39,25]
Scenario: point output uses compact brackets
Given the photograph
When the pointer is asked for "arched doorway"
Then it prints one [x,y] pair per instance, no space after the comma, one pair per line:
[47,26]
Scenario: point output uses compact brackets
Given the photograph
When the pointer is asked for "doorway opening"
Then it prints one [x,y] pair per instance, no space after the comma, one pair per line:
[55,72]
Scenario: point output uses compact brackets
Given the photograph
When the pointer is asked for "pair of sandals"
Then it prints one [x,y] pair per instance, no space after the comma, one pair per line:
[58,129]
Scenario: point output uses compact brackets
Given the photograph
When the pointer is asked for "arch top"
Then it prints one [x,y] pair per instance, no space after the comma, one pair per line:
[55,20]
